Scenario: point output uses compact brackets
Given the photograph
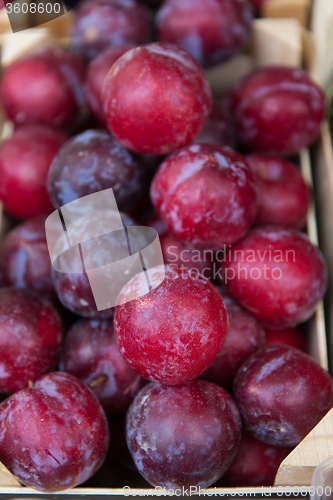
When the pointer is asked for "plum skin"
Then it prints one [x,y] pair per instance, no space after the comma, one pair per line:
[30,340]
[91,354]
[24,257]
[53,80]
[100,24]
[283,195]
[93,161]
[292,337]
[219,127]
[184,435]
[97,71]
[268,271]
[175,254]
[277,110]
[165,335]
[282,394]
[25,159]
[255,464]
[54,435]
[245,336]
[211,30]
[206,195]
[156,98]
[74,289]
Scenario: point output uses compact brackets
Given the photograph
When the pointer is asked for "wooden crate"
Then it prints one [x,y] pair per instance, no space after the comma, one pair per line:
[286,42]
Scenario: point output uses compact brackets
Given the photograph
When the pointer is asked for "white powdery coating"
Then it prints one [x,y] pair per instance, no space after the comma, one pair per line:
[173,52]
[189,169]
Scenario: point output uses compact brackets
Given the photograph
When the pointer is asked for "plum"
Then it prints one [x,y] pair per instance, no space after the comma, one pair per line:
[96,74]
[100,24]
[73,288]
[277,110]
[219,127]
[156,98]
[292,337]
[282,394]
[176,254]
[91,354]
[52,79]
[255,464]
[277,274]
[245,336]
[93,161]
[24,257]
[25,159]
[31,333]
[54,435]
[182,436]
[165,335]
[283,195]
[211,30]
[206,195]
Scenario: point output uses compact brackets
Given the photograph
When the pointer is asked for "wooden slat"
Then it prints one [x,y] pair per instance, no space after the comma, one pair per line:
[295,9]
[224,76]
[16,45]
[322,30]
[6,478]
[323,178]
[60,27]
[300,464]
[277,41]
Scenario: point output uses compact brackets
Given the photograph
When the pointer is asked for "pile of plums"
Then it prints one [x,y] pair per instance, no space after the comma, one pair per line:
[210,367]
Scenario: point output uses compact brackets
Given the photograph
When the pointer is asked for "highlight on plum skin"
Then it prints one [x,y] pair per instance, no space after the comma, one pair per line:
[245,336]
[277,110]
[90,353]
[282,394]
[184,435]
[58,423]
[156,98]
[97,71]
[165,336]
[267,272]
[31,334]
[283,195]
[206,195]
[211,30]
[25,159]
